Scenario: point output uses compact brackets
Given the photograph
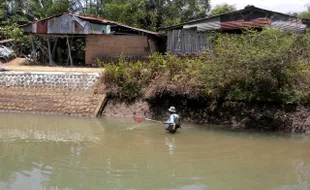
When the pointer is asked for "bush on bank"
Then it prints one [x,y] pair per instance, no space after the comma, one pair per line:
[169,74]
[21,44]
[266,66]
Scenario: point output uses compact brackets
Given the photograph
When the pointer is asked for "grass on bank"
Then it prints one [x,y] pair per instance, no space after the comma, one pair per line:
[266,66]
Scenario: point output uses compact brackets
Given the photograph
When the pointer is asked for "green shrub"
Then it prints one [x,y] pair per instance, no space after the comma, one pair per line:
[21,43]
[256,66]
[127,80]
[266,66]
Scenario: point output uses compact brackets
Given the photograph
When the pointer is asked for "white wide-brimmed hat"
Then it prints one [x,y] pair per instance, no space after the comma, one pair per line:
[172,109]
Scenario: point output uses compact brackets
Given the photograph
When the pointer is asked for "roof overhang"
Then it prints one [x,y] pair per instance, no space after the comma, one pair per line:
[246,9]
[95,19]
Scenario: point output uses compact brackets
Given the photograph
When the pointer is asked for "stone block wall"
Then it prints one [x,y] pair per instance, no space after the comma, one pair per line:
[51,92]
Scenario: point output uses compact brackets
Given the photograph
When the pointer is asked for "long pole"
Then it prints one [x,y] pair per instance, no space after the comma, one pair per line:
[153,120]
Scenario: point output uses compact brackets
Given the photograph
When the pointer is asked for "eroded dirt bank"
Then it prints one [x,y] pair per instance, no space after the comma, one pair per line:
[238,115]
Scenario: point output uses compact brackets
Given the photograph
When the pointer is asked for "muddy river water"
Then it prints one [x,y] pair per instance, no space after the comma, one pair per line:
[40,152]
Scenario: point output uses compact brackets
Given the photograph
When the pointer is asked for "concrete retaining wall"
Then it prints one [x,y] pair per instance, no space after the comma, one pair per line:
[51,92]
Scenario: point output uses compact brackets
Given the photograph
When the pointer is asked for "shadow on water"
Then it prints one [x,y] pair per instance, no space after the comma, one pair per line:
[248,133]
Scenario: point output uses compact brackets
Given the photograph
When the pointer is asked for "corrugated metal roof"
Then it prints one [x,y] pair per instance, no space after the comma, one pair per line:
[212,24]
[42,27]
[96,19]
[231,25]
[105,21]
[242,11]
[290,25]
[63,25]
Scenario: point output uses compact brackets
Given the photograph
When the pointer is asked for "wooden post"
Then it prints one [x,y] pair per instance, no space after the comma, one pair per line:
[149,46]
[54,48]
[67,62]
[33,52]
[50,57]
[43,51]
[69,53]
[59,61]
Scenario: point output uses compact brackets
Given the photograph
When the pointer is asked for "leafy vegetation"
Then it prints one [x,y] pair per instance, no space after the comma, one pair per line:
[265,66]
[129,81]
[221,9]
[148,14]
[258,66]
[21,42]
[268,66]
[303,14]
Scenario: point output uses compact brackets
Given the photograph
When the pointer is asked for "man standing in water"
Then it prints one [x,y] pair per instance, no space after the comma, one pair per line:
[173,123]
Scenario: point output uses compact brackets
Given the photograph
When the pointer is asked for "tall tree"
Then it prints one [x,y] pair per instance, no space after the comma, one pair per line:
[223,8]
[3,11]
[149,14]
[14,10]
[153,14]
[38,9]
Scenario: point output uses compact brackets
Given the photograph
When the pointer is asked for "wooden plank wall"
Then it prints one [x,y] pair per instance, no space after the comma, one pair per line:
[187,41]
[105,47]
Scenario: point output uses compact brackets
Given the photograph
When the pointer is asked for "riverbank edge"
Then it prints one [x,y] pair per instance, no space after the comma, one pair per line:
[49,113]
[235,115]
[79,99]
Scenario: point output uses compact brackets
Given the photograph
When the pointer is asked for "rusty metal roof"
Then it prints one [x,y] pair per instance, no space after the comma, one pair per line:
[231,25]
[92,18]
[238,12]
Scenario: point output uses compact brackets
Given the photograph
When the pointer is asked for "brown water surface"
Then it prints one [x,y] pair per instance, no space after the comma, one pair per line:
[41,152]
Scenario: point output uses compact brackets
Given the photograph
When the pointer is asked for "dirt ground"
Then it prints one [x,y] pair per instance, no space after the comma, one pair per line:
[18,65]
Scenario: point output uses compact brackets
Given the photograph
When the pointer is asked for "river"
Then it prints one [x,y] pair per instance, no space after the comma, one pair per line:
[40,152]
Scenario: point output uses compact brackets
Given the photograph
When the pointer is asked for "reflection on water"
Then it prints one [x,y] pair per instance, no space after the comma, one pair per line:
[302,172]
[66,153]
[170,142]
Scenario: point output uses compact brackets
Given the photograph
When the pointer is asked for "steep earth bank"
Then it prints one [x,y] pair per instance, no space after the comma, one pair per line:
[238,115]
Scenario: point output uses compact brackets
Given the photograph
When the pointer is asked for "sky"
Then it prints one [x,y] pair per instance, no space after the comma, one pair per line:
[284,6]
